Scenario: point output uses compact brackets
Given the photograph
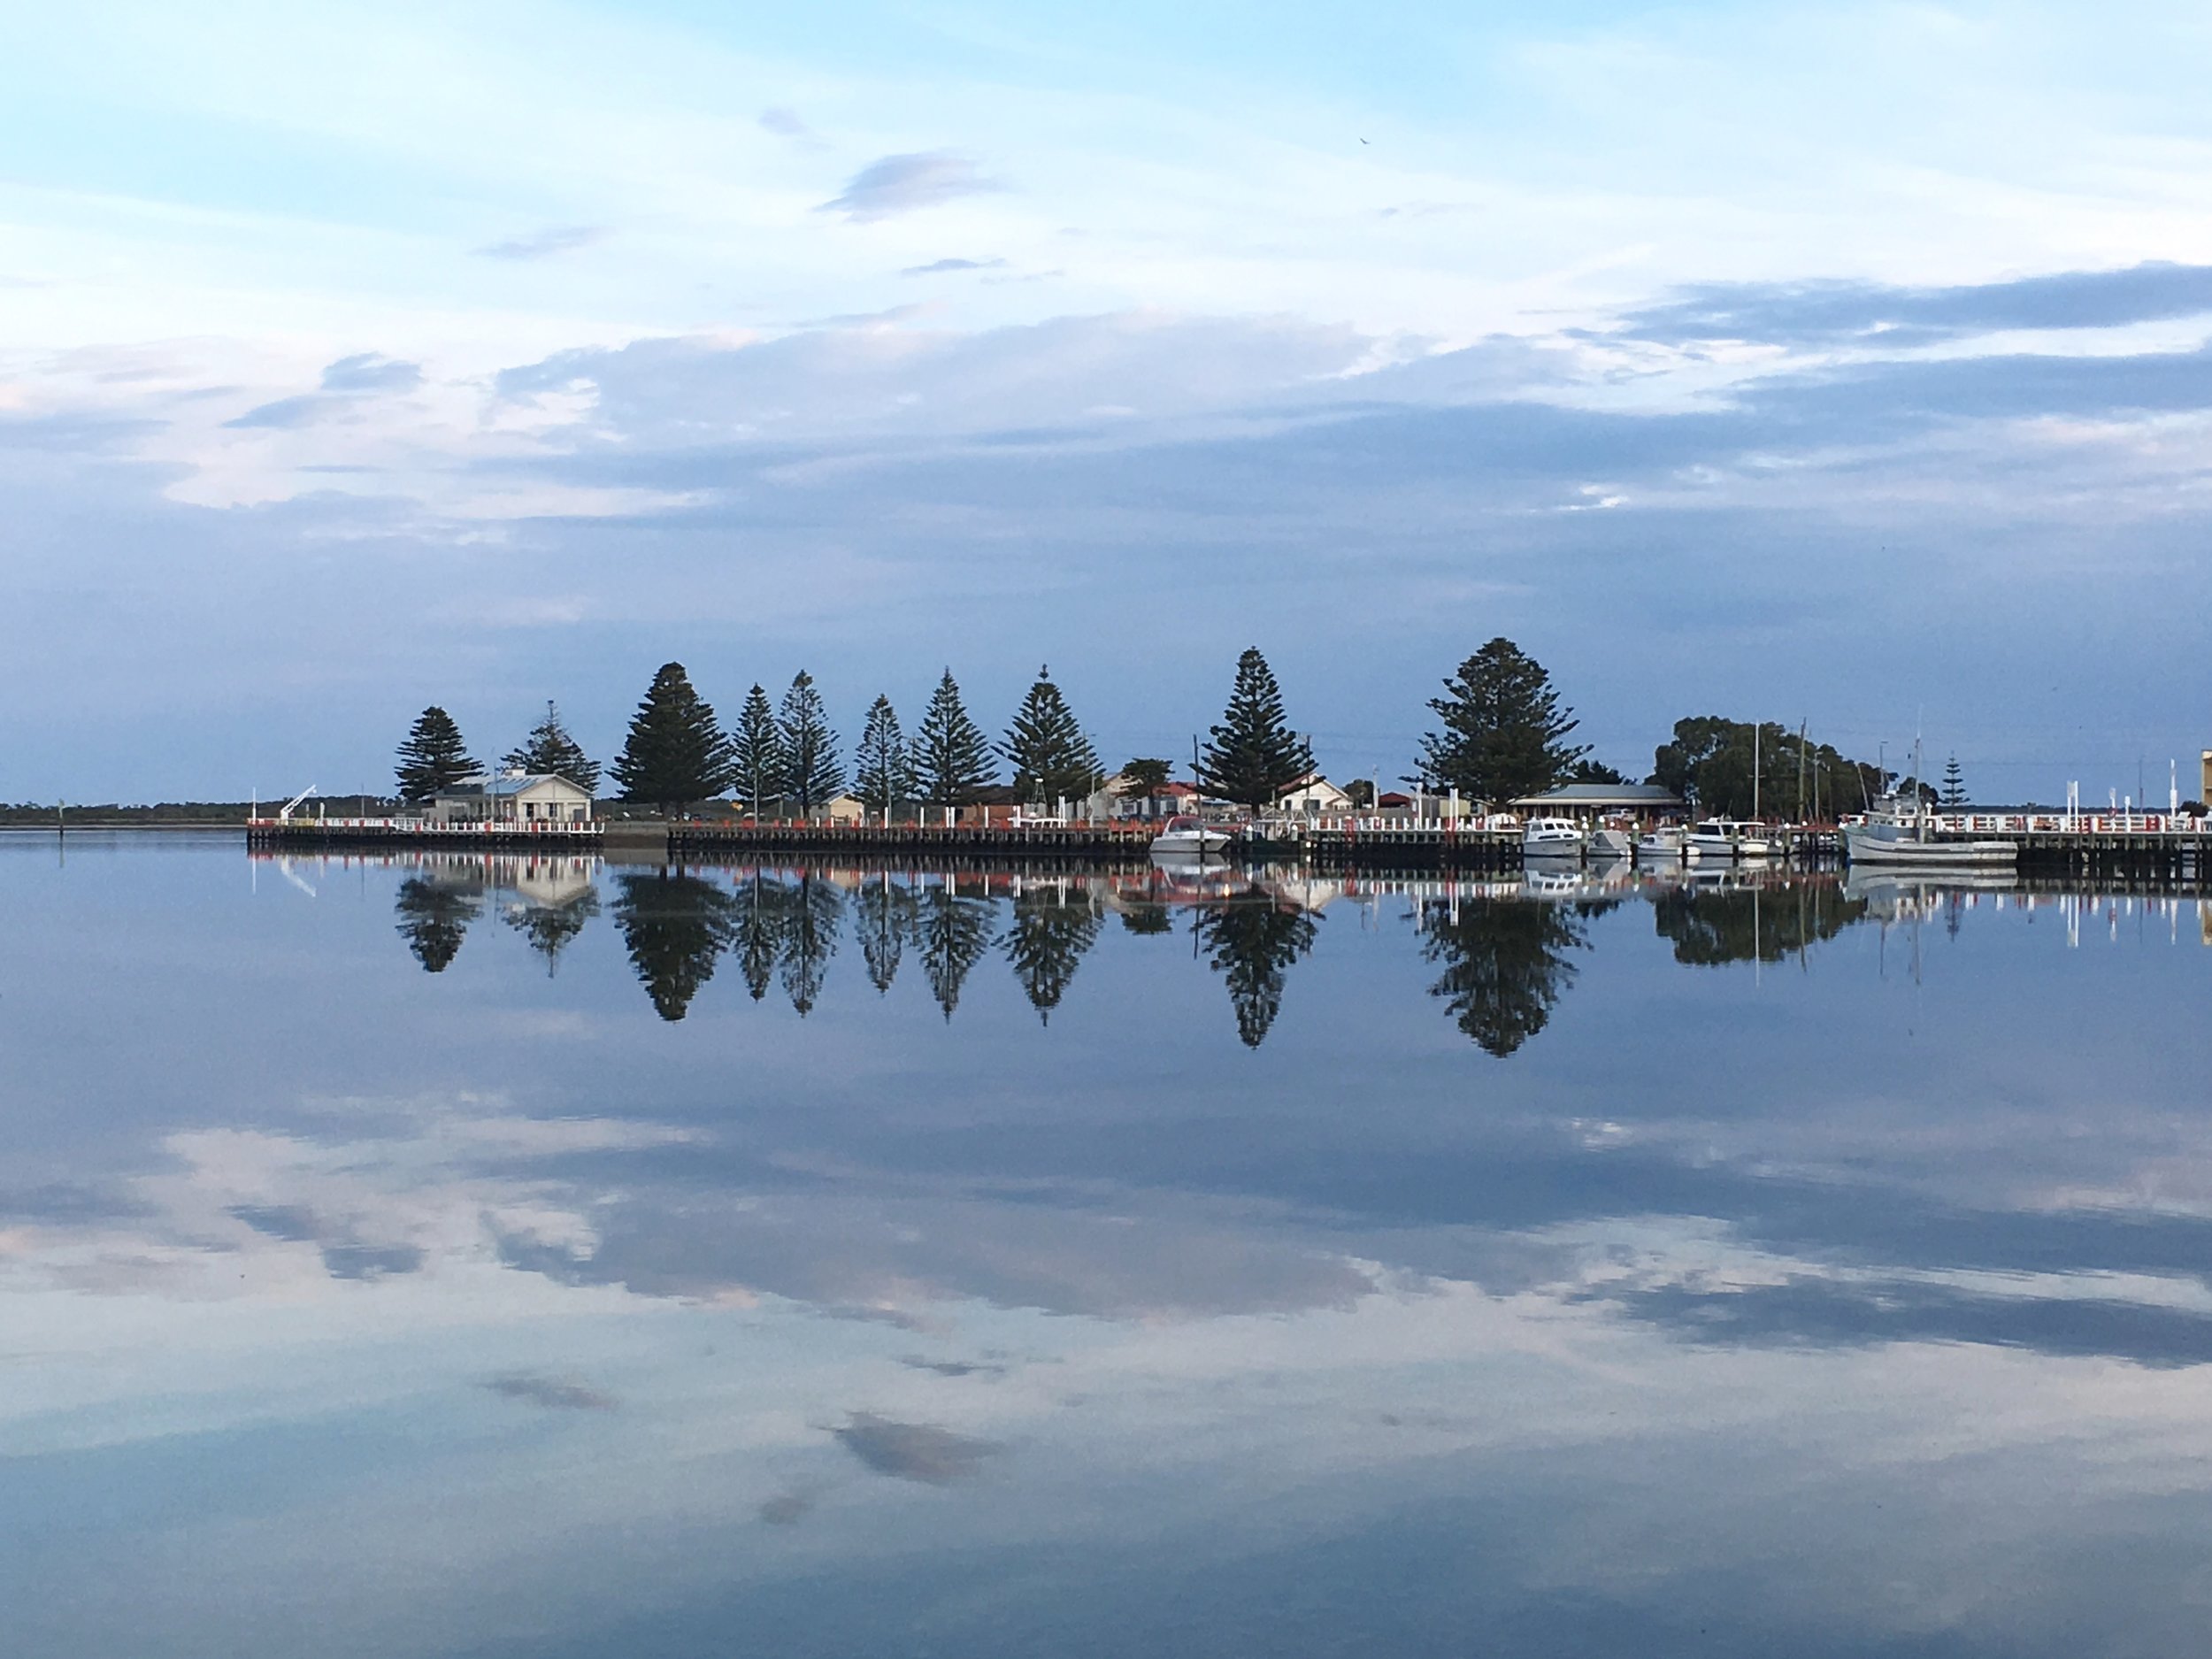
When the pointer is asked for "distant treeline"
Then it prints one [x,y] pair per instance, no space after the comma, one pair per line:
[214,814]
[1500,733]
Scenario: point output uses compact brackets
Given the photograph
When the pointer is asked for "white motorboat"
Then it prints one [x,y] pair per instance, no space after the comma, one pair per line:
[1185,836]
[1551,838]
[1659,846]
[1895,835]
[1728,838]
[1613,837]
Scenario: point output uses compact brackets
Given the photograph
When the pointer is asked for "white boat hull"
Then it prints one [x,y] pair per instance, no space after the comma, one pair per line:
[1189,844]
[1863,847]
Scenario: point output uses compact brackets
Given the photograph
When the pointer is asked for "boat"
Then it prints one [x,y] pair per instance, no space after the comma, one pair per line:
[1551,838]
[1730,838]
[1185,836]
[1613,837]
[1894,834]
[1661,845]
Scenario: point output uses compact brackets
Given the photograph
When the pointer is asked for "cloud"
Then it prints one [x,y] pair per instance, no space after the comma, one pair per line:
[1833,312]
[370,372]
[552,1393]
[914,1451]
[544,244]
[787,1509]
[784,123]
[935,266]
[286,414]
[902,184]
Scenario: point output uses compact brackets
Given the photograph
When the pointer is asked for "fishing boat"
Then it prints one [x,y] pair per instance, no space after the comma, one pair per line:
[1727,838]
[1185,836]
[1895,834]
[1551,838]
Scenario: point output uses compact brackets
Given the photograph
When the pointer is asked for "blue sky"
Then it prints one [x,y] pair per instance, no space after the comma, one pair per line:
[1844,364]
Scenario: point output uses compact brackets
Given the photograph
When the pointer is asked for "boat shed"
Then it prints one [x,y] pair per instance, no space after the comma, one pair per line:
[1594,800]
[512,797]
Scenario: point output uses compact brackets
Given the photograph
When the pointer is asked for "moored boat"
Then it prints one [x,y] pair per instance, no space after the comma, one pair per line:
[1185,836]
[1551,838]
[1726,838]
[1895,835]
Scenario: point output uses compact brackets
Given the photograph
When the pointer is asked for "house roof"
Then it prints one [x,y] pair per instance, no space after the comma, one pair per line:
[1604,795]
[505,784]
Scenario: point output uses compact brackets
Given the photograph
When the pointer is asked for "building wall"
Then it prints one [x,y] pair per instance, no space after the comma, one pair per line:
[2204,786]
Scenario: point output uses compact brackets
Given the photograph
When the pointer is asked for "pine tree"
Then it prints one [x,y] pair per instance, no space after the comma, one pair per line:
[1503,728]
[1252,756]
[886,773]
[550,750]
[810,774]
[952,758]
[1954,795]
[1052,760]
[756,751]
[676,753]
[433,758]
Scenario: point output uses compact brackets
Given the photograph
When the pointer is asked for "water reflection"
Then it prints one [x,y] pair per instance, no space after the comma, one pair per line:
[487,1315]
[1507,949]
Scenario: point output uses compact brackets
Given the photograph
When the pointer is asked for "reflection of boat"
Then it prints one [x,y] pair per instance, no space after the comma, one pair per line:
[1551,838]
[1187,835]
[1726,838]
[1895,835]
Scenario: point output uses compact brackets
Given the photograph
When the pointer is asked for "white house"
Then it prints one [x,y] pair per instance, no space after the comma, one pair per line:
[1313,793]
[514,797]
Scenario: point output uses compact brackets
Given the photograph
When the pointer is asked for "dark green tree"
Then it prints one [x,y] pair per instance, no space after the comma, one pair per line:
[952,931]
[550,749]
[433,919]
[1141,780]
[952,758]
[1504,730]
[1711,762]
[1252,756]
[1505,964]
[884,770]
[1953,797]
[675,927]
[756,751]
[1049,932]
[433,758]
[1052,760]
[810,775]
[1252,945]
[676,753]
[1587,770]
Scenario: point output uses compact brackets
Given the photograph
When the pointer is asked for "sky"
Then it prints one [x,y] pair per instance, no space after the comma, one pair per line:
[1847,364]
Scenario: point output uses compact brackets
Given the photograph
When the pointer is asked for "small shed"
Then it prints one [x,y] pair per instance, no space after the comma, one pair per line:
[513,797]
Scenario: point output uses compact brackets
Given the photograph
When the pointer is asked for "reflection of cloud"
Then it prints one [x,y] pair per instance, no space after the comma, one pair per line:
[544,244]
[914,1451]
[953,1367]
[370,1261]
[293,1224]
[553,1393]
[787,1509]
[901,184]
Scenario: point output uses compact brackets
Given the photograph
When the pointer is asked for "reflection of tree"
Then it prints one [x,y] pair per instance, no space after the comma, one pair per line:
[674,925]
[546,928]
[1714,927]
[1142,916]
[1505,963]
[952,934]
[1253,945]
[432,917]
[806,938]
[884,914]
[1045,939]
[753,931]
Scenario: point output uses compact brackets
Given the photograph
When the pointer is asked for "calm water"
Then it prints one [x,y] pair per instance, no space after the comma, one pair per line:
[440,1259]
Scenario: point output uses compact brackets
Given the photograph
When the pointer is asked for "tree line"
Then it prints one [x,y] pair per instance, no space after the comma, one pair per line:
[1501,733]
